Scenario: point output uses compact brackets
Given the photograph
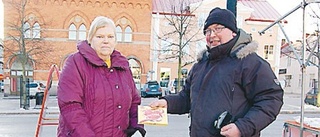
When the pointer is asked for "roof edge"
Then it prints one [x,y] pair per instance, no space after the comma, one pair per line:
[263,20]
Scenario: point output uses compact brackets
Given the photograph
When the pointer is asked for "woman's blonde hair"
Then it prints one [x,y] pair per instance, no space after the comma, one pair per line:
[97,23]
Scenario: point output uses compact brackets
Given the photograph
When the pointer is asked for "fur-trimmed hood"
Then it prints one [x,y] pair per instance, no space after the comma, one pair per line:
[242,48]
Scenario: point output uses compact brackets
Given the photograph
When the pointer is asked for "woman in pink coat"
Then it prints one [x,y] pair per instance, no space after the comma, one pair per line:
[97,96]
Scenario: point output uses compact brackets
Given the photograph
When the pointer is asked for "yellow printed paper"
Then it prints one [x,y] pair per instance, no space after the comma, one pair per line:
[150,116]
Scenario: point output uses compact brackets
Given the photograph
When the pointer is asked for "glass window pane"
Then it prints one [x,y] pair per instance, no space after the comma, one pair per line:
[19,73]
[265,51]
[136,72]
[13,73]
[30,73]
[128,34]
[270,52]
[119,33]
[36,30]
[82,32]
[72,32]
[26,30]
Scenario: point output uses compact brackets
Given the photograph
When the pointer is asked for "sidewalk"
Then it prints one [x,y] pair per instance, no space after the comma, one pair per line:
[292,105]
[11,106]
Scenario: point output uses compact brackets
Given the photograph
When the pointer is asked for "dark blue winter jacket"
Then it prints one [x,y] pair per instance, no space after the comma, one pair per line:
[233,78]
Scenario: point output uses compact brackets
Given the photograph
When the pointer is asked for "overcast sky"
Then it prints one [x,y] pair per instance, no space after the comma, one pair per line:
[295,24]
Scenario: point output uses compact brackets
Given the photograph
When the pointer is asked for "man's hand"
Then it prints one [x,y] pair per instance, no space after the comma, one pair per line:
[230,130]
[159,103]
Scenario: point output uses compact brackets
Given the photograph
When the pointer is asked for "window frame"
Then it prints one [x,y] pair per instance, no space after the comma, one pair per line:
[72,35]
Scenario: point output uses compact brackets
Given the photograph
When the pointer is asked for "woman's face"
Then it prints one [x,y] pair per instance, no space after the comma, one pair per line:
[217,34]
[104,42]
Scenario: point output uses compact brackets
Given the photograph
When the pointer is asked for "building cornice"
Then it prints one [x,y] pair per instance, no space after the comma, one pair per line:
[95,3]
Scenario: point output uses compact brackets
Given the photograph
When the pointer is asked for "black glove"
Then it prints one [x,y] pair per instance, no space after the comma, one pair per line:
[142,131]
[130,131]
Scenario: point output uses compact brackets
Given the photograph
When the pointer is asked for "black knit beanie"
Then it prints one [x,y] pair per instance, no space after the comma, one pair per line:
[223,17]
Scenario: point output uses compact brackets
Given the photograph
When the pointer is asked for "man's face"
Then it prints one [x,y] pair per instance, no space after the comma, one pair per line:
[217,34]
[103,42]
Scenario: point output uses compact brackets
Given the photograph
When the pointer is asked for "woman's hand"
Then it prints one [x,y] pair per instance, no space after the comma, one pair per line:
[159,103]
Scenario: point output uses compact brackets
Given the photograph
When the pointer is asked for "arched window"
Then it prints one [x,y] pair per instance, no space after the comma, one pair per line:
[82,32]
[26,30]
[36,30]
[72,32]
[119,33]
[136,71]
[128,34]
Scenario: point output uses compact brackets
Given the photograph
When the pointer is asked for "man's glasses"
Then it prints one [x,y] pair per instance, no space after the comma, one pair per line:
[208,32]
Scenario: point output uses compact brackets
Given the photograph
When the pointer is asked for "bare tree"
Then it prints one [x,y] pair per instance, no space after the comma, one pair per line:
[179,32]
[315,14]
[23,43]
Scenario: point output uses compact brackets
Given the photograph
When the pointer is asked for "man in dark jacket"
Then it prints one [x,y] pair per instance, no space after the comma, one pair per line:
[229,77]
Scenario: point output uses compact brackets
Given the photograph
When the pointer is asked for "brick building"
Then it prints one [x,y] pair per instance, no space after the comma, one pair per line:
[53,27]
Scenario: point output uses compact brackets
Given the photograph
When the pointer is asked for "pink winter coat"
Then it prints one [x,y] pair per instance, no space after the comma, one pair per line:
[96,100]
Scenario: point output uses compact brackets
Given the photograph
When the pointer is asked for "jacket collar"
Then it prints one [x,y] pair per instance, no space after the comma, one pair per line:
[118,61]
[222,50]
[244,45]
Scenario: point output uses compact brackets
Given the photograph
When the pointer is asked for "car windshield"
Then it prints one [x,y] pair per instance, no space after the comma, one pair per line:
[153,86]
[313,91]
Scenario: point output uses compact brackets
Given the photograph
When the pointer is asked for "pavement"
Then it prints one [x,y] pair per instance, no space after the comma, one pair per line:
[292,105]
[10,105]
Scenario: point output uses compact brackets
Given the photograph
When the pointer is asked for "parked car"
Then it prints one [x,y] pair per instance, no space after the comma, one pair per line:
[151,88]
[35,87]
[312,96]
[173,86]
